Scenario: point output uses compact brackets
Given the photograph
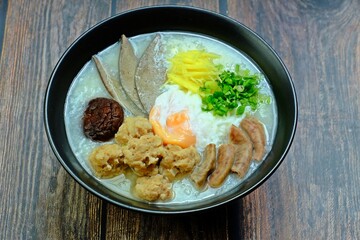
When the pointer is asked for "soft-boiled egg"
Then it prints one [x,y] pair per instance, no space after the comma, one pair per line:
[178,119]
[176,130]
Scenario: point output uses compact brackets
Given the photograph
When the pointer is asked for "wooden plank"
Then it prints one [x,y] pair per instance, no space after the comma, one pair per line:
[3,10]
[311,196]
[38,199]
[124,224]
[124,5]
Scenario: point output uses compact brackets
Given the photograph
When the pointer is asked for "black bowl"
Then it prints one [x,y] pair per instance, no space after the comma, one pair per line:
[169,18]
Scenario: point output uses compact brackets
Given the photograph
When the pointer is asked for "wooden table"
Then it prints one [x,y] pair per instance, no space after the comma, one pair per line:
[314,194]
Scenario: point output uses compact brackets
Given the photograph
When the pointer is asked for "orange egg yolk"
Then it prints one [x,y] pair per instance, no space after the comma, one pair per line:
[177,130]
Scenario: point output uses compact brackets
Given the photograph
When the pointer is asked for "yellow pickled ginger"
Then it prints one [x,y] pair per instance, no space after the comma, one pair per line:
[191,69]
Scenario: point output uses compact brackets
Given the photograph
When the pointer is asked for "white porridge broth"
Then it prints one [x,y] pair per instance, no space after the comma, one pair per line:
[87,85]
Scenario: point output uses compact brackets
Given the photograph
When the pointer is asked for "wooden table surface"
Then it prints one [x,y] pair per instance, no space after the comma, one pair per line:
[314,194]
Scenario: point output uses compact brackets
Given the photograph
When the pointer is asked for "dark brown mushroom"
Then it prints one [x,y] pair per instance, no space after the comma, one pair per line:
[102,119]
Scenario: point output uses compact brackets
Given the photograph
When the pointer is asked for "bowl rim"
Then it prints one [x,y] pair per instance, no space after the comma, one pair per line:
[159,211]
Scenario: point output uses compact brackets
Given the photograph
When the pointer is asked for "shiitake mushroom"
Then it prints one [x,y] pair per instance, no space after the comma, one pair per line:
[102,119]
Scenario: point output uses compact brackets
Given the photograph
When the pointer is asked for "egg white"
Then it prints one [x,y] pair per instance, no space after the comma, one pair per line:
[204,125]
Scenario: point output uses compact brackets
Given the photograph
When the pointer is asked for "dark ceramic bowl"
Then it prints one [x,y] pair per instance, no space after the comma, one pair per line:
[169,18]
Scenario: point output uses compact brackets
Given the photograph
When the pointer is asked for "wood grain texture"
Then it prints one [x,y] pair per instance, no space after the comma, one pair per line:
[313,195]
[3,10]
[128,4]
[39,200]
[124,224]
